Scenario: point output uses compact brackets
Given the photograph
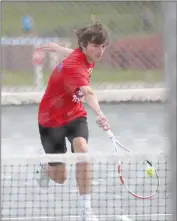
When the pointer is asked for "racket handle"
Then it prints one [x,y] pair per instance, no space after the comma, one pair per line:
[109,133]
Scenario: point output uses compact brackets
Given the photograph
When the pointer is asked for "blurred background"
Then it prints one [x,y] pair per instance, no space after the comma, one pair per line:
[133,59]
[141,55]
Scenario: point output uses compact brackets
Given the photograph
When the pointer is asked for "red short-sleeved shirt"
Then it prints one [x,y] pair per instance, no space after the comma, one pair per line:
[61,102]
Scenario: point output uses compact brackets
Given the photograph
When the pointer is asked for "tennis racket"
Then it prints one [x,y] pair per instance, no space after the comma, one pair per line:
[139,185]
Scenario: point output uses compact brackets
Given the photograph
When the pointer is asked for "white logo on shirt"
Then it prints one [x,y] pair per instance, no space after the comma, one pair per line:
[90,70]
[77,96]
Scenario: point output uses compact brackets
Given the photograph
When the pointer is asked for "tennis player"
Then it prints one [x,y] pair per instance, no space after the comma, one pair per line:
[61,112]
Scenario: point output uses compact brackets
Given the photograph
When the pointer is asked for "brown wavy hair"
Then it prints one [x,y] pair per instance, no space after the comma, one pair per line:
[95,33]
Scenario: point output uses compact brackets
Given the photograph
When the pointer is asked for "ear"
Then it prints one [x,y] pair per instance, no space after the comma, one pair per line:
[82,46]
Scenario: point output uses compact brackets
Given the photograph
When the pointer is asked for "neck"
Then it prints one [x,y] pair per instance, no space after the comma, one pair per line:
[90,61]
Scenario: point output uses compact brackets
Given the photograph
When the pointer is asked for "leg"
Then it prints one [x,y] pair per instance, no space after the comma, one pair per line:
[78,137]
[83,170]
[57,172]
[53,142]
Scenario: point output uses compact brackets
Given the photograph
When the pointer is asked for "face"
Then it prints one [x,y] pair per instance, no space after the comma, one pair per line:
[94,52]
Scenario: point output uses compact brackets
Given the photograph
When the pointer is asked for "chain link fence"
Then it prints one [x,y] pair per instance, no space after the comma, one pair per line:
[134,58]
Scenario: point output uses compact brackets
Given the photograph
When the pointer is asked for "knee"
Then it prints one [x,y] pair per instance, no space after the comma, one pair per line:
[61,180]
[57,174]
[80,145]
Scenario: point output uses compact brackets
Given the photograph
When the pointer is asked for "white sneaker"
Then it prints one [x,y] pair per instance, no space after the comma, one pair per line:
[42,178]
[87,215]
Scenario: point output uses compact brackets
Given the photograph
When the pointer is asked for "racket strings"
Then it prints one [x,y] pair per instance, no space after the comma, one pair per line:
[137,180]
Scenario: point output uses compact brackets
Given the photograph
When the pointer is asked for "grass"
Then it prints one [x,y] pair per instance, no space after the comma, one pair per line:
[100,75]
[121,17]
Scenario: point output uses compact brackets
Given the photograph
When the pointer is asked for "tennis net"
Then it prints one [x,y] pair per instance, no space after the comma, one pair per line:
[23,199]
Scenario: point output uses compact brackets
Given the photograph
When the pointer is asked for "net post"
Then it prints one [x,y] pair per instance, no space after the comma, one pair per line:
[170,60]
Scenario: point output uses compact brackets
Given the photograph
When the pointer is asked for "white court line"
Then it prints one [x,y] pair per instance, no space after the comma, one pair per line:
[121,217]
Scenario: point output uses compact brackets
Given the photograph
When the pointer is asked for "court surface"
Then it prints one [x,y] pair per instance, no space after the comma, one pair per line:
[141,127]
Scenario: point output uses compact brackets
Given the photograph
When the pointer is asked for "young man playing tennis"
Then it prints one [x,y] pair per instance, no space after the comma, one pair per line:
[61,112]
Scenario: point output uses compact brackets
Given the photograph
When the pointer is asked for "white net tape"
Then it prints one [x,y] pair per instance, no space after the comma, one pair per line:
[84,157]
[119,95]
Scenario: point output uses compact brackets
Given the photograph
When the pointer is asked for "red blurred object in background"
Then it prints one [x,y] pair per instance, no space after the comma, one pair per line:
[38,57]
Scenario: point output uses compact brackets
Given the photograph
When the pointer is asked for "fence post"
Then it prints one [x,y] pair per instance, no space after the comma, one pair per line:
[170,60]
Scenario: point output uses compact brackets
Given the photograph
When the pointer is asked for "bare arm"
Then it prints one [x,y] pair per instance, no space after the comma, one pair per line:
[53,47]
[91,99]
[89,96]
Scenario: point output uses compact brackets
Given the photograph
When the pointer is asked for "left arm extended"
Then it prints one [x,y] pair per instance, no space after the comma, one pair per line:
[53,47]
[56,51]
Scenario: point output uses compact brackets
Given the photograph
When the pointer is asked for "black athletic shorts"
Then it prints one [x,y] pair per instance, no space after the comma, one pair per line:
[54,139]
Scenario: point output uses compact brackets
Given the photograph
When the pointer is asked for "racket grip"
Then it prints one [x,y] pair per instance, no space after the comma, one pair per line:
[109,133]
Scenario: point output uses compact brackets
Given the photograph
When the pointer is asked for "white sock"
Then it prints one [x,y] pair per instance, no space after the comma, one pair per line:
[85,201]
